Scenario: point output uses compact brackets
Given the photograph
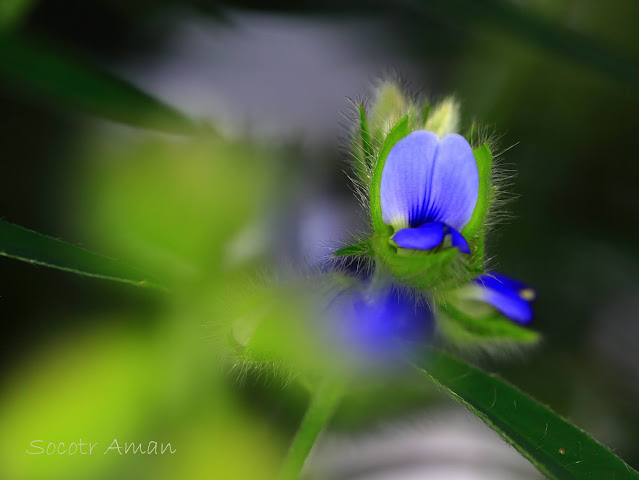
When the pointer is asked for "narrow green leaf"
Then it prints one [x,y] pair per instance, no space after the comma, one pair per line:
[556,447]
[32,67]
[361,248]
[32,247]
[398,132]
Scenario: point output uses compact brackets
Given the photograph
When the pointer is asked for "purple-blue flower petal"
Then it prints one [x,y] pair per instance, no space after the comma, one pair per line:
[511,305]
[377,325]
[406,179]
[501,282]
[459,241]
[426,180]
[454,186]
[511,297]
[426,237]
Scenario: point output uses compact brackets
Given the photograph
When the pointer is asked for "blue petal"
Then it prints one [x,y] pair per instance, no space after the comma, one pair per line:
[454,186]
[511,297]
[429,236]
[506,284]
[459,241]
[373,325]
[511,305]
[426,179]
[406,179]
[426,237]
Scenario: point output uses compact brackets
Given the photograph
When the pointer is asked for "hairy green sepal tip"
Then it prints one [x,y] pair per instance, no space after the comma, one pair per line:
[399,131]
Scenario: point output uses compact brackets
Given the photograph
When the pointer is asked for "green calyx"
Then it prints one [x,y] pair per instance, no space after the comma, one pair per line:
[465,322]
[475,229]
[427,271]
[392,118]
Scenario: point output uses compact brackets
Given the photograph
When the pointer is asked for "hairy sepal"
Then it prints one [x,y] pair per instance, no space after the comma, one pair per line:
[474,230]
[484,329]
[398,132]
[354,250]
[426,271]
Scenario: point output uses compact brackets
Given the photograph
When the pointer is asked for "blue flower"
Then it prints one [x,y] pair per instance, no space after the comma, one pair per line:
[511,297]
[381,324]
[429,189]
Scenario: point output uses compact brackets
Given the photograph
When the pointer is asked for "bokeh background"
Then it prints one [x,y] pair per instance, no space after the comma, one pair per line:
[558,81]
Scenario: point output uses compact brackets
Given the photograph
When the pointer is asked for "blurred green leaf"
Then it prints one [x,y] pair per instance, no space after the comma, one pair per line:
[32,247]
[12,12]
[520,23]
[35,68]
[176,209]
[557,448]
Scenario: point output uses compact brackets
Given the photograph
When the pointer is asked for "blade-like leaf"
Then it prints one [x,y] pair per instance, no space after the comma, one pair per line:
[34,68]
[32,247]
[557,448]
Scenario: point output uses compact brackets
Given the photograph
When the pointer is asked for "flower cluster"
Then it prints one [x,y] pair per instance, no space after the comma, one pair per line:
[429,194]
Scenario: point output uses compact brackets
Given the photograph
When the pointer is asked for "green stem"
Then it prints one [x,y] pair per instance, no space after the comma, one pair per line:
[323,404]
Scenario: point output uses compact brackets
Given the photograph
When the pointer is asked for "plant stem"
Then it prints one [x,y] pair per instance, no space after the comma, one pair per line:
[320,410]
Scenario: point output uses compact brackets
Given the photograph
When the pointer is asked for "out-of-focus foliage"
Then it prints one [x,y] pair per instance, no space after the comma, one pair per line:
[183,209]
[116,383]
[32,247]
[12,12]
[177,207]
[31,67]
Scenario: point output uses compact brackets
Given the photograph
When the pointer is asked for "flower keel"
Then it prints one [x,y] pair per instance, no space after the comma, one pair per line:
[511,297]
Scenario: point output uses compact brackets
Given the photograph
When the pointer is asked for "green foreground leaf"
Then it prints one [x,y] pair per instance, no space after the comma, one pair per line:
[34,68]
[557,448]
[32,247]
